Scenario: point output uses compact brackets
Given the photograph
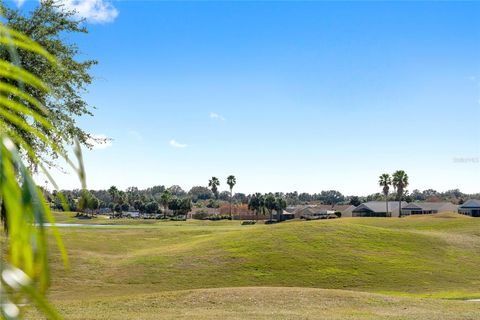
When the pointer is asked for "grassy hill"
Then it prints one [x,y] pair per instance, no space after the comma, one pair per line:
[431,256]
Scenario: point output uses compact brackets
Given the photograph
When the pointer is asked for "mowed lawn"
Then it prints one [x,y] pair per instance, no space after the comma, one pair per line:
[405,267]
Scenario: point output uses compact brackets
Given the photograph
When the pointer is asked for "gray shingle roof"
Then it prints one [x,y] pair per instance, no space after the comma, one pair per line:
[379,206]
[472,203]
[438,206]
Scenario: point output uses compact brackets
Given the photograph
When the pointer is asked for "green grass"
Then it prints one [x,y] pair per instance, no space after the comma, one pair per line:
[430,256]
[266,303]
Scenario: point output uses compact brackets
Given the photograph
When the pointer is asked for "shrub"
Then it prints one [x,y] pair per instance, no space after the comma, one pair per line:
[200,215]
[271,221]
[248,222]
[338,214]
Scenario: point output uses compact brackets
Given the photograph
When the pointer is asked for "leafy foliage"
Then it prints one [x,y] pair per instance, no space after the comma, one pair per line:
[25,124]
[46,25]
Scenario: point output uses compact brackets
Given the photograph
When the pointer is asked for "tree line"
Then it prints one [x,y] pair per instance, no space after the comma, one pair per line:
[176,201]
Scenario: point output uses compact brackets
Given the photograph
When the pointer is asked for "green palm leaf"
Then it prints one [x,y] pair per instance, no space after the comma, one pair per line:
[25,270]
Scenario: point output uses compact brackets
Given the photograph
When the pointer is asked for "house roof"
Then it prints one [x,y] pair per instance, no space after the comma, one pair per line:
[438,206]
[472,203]
[380,206]
[309,209]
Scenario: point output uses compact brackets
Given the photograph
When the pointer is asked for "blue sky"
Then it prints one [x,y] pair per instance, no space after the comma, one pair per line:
[304,96]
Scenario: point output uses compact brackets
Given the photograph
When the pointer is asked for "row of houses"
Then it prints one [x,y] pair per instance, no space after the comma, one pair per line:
[379,209]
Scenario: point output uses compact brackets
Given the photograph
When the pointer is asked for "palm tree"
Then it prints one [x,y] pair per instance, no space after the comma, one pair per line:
[113,191]
[231,181]
[213,184]
[400,183]
[270,204]
[23,206]
[164,200]
[256,204]
[385,181]
[280,205]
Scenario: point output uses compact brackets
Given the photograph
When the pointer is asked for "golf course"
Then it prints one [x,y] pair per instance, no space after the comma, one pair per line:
[349,268]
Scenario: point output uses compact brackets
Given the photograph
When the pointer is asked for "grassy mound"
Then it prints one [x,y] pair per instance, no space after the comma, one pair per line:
[435,256]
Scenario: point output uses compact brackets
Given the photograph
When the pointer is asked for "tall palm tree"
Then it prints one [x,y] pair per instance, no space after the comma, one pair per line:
[113,191]
[231,181]
[164,200]
[400,183]
[213,184]
[385,181]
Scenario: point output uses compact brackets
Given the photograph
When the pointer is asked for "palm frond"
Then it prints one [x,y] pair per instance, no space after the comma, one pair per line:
[25,271]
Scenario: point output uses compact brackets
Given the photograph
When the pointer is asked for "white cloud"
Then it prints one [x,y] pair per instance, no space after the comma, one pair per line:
[99,141]
[95,11]
[176,144]
[214,115]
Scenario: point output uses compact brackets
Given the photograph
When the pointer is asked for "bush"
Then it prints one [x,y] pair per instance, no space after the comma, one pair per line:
[338,214]
[248,222]
[271,221]
[200,215]
[216,218]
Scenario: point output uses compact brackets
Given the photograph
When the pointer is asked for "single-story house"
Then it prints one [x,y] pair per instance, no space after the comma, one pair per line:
[428,208]
[321,209]
[285,215]
[377,209]
[131,214]
[470,208]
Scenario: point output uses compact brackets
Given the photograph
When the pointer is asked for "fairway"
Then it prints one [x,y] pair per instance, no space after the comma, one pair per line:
[407,267]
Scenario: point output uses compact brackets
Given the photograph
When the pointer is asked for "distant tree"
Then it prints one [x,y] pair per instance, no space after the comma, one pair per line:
[213,185]
[256,204]
[429,193]
[292,198]
[355,201]
[174,205]
[385,181]
[95,203]
[305,197]
[280,205]
[400,183]
[200,193]
[125,206]
[137,204]
[231,181]
[156,191]
[375,197]
[177,191]
[224,196]
[331,197]
[151,207]
[83,201]
[117,208]
[132,194]
[113,191]
[270,204]
[453,194]
[164,200]
[240,198]
[185,206]
[212,204]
